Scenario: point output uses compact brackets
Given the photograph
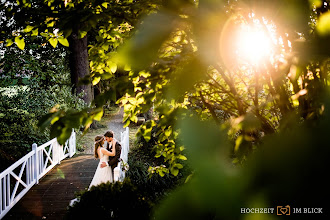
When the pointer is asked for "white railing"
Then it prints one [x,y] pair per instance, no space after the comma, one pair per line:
[119,173]
[27,171]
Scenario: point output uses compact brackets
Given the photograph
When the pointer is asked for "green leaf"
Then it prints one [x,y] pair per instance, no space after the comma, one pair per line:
[98,115]
[182,157]
[105,47]
[96,80]
[145,45]
[134,118]
[20,42]
[174,171]
[82,34]
[46,120]
[53,41]
[28,29]
[316,3]
[34,32]
[186,77]
[67,32]
[238,142]
[188,178]
[55,119]
[51,24]
[127,67]
[9,42]
[168,132]
[65,135]
[161,173]
[113,67]
[178,165]
[127,123]
[147,135]
[105,4]
[63,41]
[323,25]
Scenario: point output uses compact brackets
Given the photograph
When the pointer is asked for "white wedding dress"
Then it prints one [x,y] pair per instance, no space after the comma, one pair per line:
[102,175]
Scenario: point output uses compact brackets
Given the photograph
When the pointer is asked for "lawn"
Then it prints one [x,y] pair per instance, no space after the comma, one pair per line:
[85,142]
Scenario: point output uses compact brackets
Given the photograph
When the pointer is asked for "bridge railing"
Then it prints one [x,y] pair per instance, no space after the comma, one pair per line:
[17,179]
[119,173]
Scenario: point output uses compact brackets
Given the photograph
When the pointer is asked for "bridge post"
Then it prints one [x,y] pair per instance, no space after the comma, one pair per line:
[57,151]
[72,143]
[36,162]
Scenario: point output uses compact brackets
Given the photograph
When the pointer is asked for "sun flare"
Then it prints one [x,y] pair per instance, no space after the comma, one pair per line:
[253,45]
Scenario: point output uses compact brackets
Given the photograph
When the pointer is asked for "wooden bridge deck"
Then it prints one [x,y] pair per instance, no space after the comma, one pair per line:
[50,198]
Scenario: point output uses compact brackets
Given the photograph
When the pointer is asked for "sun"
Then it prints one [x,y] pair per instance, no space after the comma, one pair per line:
[247,42]
[253,45]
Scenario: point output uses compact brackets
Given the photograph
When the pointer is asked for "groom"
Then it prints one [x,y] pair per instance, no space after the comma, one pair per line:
[113,161]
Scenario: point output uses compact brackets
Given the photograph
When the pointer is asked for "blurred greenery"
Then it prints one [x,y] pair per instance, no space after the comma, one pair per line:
[288,169]
[120,200]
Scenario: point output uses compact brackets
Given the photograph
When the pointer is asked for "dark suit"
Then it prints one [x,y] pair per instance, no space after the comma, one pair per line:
[113,160]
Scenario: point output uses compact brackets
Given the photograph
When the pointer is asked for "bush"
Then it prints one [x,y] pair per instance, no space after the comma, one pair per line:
[20,109]
[29,87]
[154,187]
[121,200]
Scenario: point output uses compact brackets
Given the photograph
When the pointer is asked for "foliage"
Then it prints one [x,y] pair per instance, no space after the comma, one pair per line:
[65,16]
[288,169]
[120,200]
[190,71]
[31,86]
[141,159]
[107,23]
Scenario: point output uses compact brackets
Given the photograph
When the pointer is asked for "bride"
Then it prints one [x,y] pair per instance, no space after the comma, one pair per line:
[102,175]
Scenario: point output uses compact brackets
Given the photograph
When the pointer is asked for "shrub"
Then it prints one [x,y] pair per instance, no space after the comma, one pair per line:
[29,87]
[154,187]
[121,200]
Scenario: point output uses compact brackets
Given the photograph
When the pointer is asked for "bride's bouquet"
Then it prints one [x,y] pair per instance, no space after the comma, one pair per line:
[124,165]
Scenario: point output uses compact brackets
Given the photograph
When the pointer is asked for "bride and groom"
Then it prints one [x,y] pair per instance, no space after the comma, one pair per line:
[109,157]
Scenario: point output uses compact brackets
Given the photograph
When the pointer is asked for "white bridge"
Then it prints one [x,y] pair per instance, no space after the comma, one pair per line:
[20,177]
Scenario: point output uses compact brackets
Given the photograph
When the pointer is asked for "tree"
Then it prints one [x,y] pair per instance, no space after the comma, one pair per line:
[58,20]
[33,81]
[109,22]
[191,69]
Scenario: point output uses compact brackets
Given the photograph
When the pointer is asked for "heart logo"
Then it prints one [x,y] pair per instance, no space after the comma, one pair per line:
[284,210]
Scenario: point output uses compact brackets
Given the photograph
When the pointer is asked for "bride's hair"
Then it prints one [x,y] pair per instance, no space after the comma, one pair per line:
[98,143]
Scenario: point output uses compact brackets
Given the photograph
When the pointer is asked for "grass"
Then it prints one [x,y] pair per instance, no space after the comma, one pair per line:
[132,134]
[86,142]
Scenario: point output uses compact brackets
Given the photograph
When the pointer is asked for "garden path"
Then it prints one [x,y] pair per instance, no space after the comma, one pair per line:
[115,125]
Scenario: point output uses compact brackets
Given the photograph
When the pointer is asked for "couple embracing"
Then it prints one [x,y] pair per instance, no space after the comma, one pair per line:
[109,157]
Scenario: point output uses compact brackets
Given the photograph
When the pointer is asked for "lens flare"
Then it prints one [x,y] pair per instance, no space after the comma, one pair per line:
[248,42]
[253,45]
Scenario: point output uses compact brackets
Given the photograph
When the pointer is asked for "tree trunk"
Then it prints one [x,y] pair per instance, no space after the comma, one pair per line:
[79,65]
